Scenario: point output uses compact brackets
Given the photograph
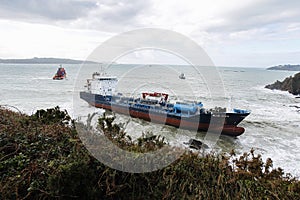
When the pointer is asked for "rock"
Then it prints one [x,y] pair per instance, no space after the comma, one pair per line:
[290,84]
[196,144]
[295,106]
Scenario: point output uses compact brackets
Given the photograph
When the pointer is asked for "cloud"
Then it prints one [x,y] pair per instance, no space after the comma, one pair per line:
[267,14]
[103,15]
[40,10]
[115,16]
[27,40]
[224,28]
[215,16]
[116,11]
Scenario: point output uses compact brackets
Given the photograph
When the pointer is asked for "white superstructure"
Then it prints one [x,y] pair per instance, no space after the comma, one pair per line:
[102,84]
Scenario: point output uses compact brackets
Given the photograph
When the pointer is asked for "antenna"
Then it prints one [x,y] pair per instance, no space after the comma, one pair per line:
[102,72]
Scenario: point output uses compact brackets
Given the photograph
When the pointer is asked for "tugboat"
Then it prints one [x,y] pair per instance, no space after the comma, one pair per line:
[60,74]
[156,107]
[181,76]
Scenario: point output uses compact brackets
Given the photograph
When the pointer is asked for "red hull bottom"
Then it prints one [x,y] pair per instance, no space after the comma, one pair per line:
[229,130]
[58,77]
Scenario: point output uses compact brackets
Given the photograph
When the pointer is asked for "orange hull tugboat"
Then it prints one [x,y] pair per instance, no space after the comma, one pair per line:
[60,74]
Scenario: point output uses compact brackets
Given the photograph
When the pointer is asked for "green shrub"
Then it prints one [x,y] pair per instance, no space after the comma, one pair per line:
[42,157]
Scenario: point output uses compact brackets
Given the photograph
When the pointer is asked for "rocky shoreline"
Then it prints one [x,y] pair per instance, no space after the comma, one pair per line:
[290,84]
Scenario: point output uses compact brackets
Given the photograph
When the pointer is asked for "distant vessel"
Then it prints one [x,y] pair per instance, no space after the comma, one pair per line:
[181,76]
[155,107]
[60,74]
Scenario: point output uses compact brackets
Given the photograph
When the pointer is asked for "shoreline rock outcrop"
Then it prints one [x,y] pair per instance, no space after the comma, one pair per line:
[290,84]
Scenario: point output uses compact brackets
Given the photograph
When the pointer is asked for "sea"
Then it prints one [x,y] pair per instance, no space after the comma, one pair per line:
[272,128]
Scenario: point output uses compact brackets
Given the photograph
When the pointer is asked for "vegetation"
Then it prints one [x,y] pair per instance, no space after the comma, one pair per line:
[42,157]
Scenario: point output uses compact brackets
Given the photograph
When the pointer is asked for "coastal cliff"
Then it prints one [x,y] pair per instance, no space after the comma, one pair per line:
[290,84]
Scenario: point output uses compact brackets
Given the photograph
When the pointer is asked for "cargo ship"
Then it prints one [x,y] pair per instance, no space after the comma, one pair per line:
[157,108]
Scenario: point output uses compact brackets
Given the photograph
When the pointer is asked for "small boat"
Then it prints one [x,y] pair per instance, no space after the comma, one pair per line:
[181,76]
[60,74]
[156,107]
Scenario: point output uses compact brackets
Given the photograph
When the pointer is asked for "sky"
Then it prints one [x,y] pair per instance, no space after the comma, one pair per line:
[248,33]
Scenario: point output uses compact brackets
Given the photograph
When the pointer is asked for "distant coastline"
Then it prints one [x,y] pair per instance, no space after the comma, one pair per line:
[287,67]
[36,60]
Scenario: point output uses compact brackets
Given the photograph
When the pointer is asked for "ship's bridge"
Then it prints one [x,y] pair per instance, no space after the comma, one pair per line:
[102,84]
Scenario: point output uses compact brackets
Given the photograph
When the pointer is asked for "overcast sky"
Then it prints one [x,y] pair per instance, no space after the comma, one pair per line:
[250,33]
